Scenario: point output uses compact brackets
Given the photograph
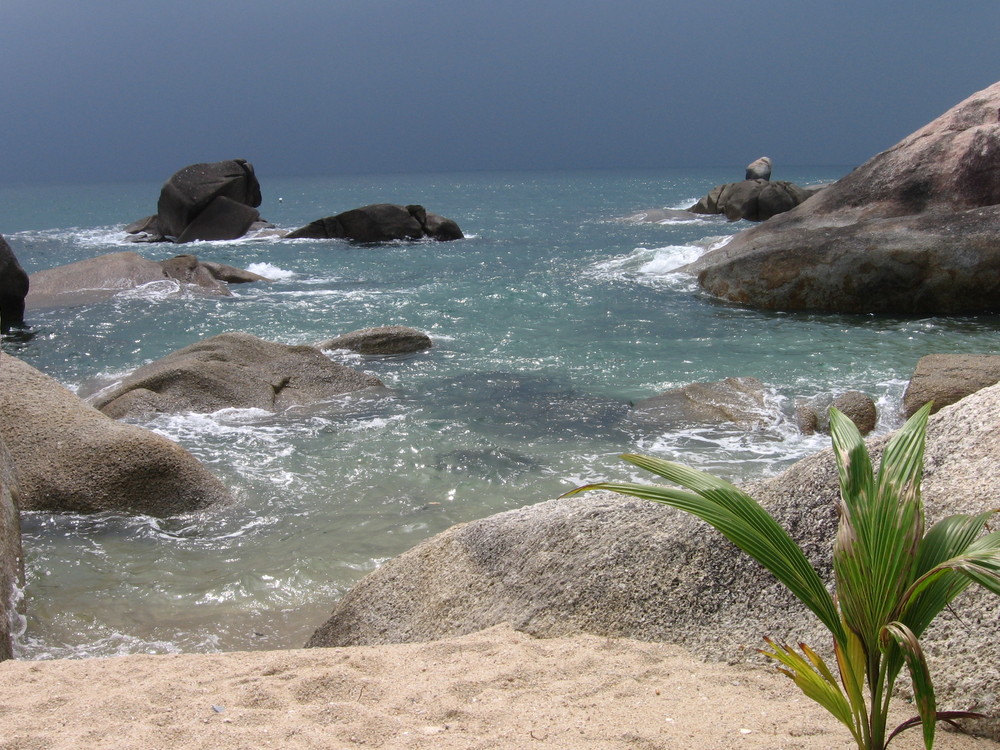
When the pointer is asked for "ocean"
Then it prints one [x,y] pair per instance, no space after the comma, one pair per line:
[548,320]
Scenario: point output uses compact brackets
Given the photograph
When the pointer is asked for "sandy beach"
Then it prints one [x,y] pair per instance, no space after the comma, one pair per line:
[495,688]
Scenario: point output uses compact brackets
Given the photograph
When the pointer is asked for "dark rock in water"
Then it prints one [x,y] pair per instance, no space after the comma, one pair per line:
[11,554]
[911,231]
[759,169]
[222,219]
[813,415]
[13,288]
[101,278]
[380,222]
[231,370]
[491,464]
[69,457]
[753,200]
[737,400]
[947,378]
[384,340]
[211,201]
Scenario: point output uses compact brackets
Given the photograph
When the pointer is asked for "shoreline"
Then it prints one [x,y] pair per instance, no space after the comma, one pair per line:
[493,688]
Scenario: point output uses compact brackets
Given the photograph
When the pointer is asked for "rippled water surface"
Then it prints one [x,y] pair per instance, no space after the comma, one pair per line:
[547,321]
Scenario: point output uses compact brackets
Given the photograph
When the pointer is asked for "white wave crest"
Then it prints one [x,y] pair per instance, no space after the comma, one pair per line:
[655,266]
[270,271]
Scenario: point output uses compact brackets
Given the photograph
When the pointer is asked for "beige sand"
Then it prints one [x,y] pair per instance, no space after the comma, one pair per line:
[494,689]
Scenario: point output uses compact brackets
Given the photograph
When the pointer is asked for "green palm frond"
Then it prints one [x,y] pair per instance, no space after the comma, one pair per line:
[891,578]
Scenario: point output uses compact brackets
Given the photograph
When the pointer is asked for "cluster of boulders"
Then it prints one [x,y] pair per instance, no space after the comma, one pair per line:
[219,200]
[755,198]
[912,231]
[63,453]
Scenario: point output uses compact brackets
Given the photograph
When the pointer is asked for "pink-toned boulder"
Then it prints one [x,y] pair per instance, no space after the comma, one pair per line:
[68,457]
[913,230]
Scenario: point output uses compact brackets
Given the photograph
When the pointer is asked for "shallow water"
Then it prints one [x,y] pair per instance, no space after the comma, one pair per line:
[547,320]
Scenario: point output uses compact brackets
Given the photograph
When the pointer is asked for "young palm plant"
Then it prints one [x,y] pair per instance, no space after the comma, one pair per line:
[892,579]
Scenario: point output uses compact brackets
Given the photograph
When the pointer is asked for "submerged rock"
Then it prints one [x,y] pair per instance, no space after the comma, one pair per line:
[69,457]
[741,401]
[101,278]
[231,370]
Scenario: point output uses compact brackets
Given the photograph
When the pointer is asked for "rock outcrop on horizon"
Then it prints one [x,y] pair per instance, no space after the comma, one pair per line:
[759,169]
[11,555]
[623,567]
[69,457]
[231,370]
[380,341]
[911,231]
[752,199]
[13,288]
[209,201]
[100,278]
[380,222]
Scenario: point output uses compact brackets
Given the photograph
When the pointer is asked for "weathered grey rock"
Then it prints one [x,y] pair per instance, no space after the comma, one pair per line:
[659,216]
[622,567]
[13,288]
[71,458]
[738,400]
[911,231]
[11,555]
[946,378]
[231,370]
[230,274]
[751,199]
[209,201]
[759,169]
[812,415]
[380,222]
[100,278]
[383,340]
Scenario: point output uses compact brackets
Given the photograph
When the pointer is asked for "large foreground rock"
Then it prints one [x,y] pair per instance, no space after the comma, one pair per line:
[13,288]
[913,231]
[100,278]
[231,370]
[70,457]
[380,222]
[209,201]
[11,556]
[622,567]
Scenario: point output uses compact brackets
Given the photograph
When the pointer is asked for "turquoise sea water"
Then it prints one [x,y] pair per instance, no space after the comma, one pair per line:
[547,321]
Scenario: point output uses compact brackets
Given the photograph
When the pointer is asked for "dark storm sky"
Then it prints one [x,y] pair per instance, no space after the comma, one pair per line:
[123,90]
